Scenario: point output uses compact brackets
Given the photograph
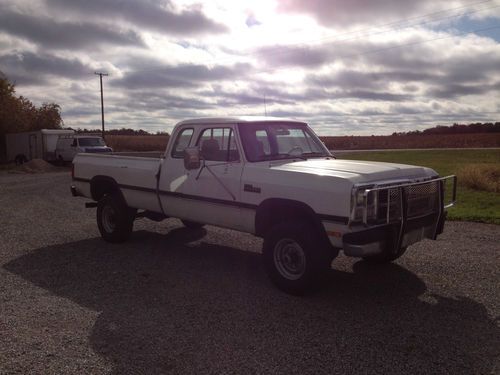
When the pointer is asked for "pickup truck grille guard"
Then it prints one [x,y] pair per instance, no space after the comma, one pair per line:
[405,207]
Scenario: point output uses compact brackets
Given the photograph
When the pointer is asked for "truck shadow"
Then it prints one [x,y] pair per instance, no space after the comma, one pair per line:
[170,303]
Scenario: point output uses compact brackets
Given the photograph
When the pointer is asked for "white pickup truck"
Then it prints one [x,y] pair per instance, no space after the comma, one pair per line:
[275,179]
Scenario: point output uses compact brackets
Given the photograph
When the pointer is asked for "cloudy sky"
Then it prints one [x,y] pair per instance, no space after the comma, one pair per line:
[347,67]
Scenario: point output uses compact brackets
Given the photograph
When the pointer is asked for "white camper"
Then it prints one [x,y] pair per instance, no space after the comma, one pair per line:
[39,144]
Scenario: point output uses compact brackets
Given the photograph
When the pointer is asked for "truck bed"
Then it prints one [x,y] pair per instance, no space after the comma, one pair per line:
[135,175]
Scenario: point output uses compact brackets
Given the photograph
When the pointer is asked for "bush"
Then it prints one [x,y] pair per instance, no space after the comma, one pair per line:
[484,177]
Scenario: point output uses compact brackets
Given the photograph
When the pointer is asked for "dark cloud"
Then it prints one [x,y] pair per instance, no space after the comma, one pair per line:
[49,33]
[412,56]
[453,90]
[366,80]
[148,14]
[186,76]
[371,95]
[406,109]
[474,67]
[30,68]
[154,101]
[303,56]
[353,12]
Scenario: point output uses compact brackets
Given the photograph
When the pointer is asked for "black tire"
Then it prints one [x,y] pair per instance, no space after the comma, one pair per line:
[115,219]
[385,257]
[295,259]
[192,224]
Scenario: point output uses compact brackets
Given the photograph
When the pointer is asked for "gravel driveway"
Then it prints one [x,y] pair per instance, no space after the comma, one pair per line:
[173,300]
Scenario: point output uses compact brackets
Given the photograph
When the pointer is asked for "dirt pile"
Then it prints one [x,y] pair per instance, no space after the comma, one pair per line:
[34,166]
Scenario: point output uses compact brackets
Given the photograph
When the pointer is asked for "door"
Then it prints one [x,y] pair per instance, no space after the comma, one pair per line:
[211,194]
[33,146]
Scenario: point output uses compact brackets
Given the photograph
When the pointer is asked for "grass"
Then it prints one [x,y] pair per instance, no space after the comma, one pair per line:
[485,177]
[473,204]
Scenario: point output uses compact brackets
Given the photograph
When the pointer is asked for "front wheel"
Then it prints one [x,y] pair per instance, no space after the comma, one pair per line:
[115,219]
[294,258]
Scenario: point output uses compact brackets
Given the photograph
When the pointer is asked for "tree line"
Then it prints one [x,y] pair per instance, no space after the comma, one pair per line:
[19,114]
[121,131]
[478,127]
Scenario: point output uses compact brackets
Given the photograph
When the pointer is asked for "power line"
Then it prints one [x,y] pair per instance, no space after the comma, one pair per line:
[363,33]
[280,49]
[259,71]
[397,25]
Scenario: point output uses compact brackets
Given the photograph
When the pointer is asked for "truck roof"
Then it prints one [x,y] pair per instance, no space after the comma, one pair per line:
[237,120]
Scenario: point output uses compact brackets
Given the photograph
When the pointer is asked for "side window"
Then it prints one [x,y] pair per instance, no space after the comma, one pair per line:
[218,144]
[182,141]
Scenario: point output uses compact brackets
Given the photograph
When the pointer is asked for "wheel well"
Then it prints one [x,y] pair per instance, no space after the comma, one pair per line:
[274,211]
[101,185]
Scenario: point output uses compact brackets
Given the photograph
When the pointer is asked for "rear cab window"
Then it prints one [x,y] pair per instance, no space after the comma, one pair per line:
[218,144]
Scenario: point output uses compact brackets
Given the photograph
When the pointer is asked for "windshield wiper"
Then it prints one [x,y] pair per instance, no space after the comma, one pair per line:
[288,156]
[316,154]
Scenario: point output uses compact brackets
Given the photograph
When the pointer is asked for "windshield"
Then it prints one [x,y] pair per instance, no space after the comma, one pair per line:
[274,141]
[89,142]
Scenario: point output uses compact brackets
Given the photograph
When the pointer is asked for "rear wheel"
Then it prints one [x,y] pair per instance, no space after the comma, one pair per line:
[192,224]
[115,219]
[385,257]
[294,258]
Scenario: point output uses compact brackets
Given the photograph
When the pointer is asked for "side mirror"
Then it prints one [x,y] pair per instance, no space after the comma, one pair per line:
[192,158]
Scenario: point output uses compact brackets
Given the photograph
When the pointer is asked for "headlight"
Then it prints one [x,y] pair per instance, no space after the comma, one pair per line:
[358,204]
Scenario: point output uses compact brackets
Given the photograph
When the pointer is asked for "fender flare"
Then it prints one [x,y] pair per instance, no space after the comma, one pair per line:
[272,208]
[101,185]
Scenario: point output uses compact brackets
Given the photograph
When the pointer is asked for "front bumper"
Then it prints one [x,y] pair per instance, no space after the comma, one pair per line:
[392,237]
[400,223]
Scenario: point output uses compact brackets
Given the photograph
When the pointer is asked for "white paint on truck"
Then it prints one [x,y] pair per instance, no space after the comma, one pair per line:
[270,176]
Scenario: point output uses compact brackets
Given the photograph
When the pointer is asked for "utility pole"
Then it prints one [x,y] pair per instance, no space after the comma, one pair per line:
[100,74]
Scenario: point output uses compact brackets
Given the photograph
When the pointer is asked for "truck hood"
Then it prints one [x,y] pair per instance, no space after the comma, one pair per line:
[356,171]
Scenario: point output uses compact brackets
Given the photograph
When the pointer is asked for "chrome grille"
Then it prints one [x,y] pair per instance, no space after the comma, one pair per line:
[422,199]
[384,203]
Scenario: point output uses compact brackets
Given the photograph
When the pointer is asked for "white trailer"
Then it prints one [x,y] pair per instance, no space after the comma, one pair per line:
[39,144]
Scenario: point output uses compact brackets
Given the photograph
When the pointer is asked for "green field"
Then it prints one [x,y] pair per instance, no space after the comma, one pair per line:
[472,205]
